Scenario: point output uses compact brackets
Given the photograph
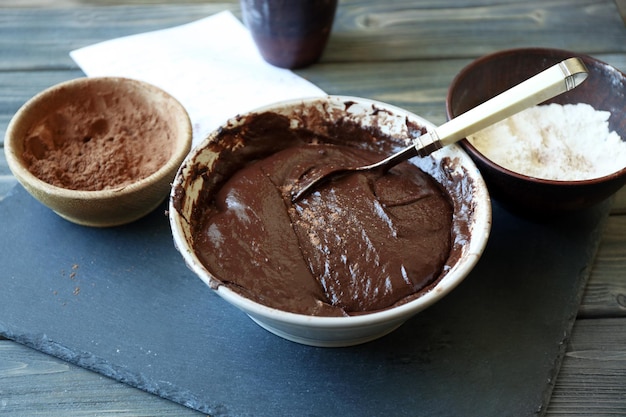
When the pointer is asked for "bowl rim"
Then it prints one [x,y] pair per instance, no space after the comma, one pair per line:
[457,274]
[471,149]
[180,150]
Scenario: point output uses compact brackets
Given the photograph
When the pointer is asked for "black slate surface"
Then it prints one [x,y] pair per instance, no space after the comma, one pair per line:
[121,302]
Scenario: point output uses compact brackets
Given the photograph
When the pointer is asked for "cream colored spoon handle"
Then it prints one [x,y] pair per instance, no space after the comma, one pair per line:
[549,83]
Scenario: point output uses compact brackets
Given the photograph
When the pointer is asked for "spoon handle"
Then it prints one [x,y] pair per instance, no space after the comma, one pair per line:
[549,83]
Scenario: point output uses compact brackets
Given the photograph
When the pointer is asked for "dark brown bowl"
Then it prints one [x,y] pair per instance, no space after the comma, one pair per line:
[604,89]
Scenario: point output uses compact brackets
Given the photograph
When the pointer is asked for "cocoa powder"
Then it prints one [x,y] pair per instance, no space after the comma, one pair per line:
[98,143]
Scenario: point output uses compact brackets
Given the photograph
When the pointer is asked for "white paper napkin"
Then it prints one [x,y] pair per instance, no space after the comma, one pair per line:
[211,66]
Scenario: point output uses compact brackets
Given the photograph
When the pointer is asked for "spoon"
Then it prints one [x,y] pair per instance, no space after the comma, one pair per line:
[549,83]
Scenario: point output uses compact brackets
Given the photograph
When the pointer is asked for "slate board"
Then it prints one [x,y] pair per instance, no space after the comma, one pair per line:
[121,302]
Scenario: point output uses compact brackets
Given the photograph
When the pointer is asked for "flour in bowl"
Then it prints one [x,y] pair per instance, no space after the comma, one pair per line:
[557,142]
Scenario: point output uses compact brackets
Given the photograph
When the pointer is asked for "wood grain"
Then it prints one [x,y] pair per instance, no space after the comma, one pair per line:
[605,295]
[363,32]
[430,29]
[592,380]
[33,384]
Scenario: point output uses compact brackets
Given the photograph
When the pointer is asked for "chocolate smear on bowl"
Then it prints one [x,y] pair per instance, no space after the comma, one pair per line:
[359,244]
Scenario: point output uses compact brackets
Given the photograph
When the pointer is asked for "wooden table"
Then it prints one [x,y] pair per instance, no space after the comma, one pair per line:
[418,47]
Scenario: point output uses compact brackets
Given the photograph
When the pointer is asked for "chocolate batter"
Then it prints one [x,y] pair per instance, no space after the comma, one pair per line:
[360,243]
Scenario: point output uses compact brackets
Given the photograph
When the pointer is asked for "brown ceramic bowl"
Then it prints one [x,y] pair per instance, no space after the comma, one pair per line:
[118,128]
[604,89]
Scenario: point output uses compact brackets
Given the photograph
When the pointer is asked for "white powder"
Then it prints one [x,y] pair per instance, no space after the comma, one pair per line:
[558,142]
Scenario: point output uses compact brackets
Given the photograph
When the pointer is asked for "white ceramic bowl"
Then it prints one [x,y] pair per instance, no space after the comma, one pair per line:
[472,208]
